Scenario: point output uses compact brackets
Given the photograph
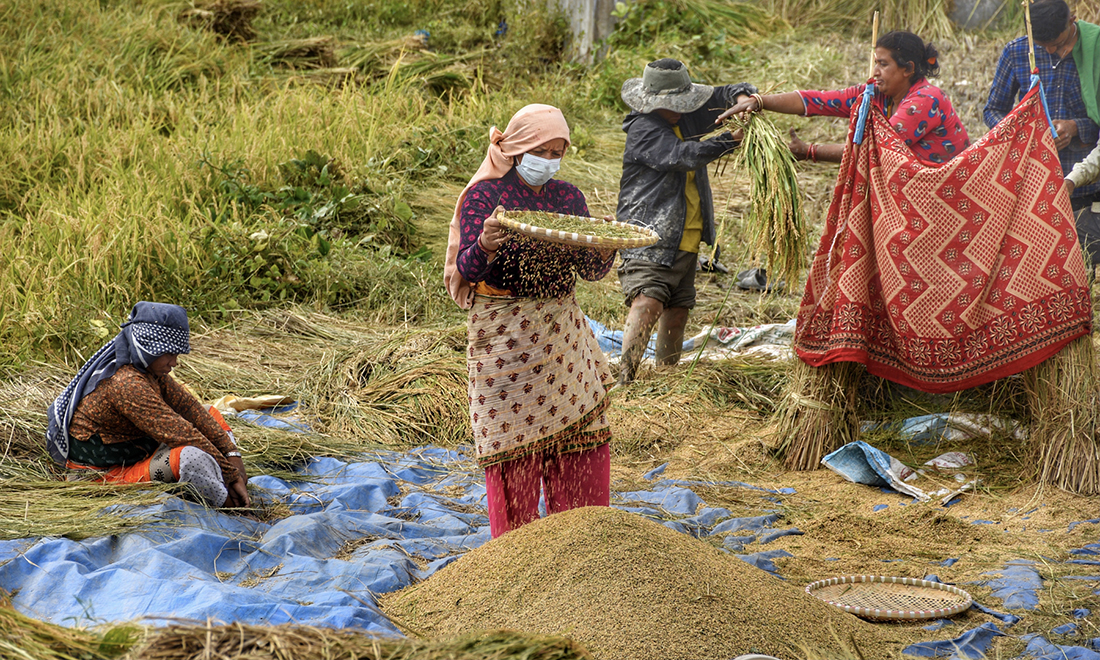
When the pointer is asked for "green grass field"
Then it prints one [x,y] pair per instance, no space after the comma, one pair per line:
[143,156]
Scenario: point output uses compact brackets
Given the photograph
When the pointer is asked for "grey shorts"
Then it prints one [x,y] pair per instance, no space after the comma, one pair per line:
[674,286]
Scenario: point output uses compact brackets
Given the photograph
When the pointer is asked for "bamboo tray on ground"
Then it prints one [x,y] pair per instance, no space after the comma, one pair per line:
[577,230]
[891,598]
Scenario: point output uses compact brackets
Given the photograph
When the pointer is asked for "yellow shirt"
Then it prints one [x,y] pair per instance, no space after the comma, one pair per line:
[693,216]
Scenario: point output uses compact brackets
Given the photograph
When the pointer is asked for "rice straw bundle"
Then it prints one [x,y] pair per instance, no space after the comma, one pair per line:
[818,412]
[775,221]
[28,639]
[77,510]
[312,53]
[1086,10]
[410,389]
[232,19]
[1064,397]
[239,641]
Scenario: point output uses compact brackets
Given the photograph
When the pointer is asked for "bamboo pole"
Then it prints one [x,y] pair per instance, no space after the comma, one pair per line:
[874,40]
[1030,39]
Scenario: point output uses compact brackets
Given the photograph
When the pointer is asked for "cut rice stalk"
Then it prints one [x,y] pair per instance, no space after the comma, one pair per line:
[775,221]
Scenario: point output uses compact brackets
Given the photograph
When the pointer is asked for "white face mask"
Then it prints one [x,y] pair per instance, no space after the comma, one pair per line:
[537,171]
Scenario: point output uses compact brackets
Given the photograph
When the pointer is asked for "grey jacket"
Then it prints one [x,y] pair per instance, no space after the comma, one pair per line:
[655,167]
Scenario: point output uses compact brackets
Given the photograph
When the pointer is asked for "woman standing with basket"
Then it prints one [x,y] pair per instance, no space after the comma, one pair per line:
[537,393]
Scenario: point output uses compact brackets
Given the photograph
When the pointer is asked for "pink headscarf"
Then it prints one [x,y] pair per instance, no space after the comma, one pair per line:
[532,126]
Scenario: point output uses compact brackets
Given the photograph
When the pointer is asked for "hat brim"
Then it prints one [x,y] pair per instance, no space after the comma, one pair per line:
[635,96]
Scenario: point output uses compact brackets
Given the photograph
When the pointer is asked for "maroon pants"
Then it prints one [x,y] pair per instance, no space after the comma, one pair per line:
[570,480]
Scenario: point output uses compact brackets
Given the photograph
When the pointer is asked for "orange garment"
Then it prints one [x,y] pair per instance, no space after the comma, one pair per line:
[138,473]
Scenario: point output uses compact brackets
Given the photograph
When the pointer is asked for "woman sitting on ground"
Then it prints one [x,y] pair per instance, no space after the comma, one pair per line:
[537,394]
[127,418]
[919,112]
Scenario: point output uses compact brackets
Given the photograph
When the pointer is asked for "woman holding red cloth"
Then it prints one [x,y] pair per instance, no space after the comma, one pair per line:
[536,372]
[918,111]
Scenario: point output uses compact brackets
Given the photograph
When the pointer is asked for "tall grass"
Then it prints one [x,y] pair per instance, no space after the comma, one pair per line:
[108,111]
[141,157]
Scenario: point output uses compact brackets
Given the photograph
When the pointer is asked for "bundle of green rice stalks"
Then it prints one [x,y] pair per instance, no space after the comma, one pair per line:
[1064,393]
[24,638]
[401,61]
[818,412]
[242,642]
[312,53]
[775,220]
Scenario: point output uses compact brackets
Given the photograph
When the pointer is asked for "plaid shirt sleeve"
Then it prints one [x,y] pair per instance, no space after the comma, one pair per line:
[1088,132]
[1006,82]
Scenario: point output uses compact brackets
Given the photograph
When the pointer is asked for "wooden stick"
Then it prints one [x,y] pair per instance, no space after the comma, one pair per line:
[1030,39]
[874,40]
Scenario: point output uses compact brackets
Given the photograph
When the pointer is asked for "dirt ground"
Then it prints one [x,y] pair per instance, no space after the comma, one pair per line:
[852,529]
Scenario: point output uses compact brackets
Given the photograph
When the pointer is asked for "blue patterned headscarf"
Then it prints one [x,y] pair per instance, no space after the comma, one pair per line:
[153,329]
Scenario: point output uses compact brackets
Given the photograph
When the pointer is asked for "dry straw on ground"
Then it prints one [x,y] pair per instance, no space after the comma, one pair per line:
[241,642]
[24,638]
[627,588]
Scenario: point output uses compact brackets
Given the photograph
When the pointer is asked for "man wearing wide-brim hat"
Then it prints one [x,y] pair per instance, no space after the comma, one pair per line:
[665,187]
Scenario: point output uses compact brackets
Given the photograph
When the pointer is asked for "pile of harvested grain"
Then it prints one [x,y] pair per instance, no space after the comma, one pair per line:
[628,588]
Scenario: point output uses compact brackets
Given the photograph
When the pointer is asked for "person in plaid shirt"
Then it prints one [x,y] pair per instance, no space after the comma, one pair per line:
[1056,31]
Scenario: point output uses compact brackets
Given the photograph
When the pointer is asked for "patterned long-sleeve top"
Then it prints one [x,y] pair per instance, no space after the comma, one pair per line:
[1062,87]
[526,268]
[925,118]
[131,405]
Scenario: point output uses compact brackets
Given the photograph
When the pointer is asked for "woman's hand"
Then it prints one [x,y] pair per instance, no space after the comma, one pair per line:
[606,253]
[492,233]
[237,495]
[238,462]
[745,105]
[799,148]
[1070,186]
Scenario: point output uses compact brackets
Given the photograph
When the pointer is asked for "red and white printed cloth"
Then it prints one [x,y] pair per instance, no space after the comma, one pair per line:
[944,278]
[537,378]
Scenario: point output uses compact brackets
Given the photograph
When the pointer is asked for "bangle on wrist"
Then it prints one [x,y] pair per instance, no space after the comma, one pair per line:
[233,454]
[482,245]
[811,152]
[759,102]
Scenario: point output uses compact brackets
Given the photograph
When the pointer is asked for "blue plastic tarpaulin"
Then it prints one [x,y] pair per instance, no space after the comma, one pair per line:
[356,529]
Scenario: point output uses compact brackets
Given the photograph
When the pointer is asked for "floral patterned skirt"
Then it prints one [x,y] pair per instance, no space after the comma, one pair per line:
[537,378]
